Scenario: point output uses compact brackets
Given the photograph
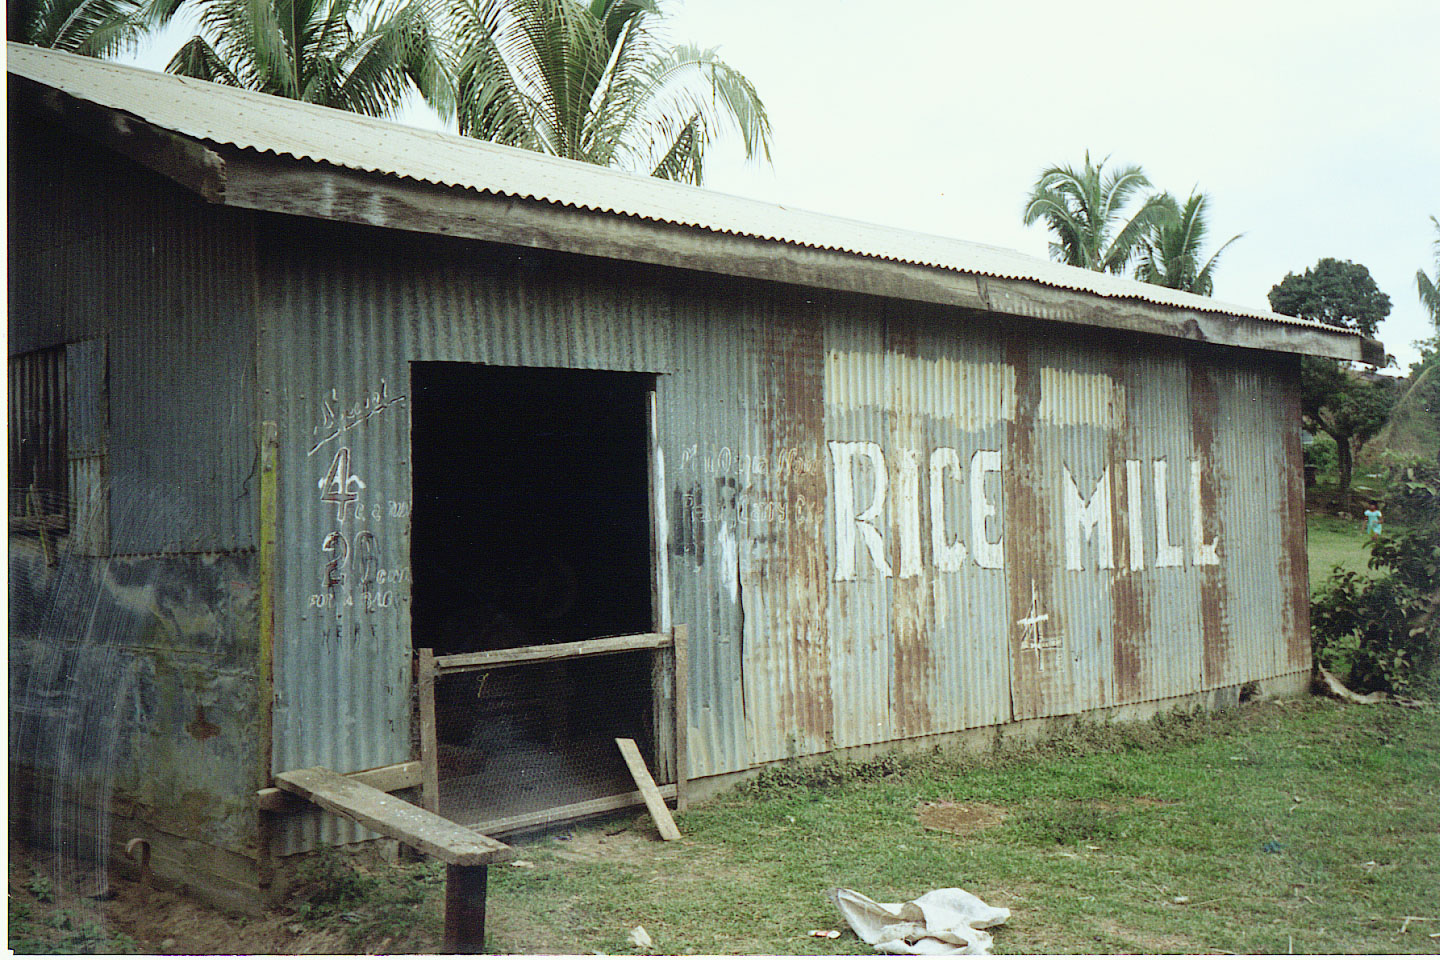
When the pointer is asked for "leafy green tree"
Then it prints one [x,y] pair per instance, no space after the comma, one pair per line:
[1170,251]
[1429,289]
[335,53]
[92,28]
[595,82]
[1084,209]
[1340,293]
[1349,408]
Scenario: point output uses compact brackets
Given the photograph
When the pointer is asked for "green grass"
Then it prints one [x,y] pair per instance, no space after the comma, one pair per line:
[1335,542]
[1303,825]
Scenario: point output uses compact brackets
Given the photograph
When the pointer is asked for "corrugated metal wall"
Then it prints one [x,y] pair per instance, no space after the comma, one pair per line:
[342,329]
[163,282]
[149,290]
[882,521]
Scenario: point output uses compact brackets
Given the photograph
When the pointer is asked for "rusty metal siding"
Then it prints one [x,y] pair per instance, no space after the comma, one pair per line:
[764,398]
[344,316]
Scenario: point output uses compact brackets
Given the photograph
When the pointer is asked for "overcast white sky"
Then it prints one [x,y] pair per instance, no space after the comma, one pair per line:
[1314,126]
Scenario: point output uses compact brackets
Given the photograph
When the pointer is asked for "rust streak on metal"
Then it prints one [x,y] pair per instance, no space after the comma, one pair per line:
[1204,412]
[1294,566]
[1128,615]
[912,600]
[794,376]
[1026,573]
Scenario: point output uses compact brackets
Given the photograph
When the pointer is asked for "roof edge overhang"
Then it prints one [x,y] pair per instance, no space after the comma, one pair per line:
[250,179]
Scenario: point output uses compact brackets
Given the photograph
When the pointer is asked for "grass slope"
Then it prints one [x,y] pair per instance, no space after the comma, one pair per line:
[1334,542]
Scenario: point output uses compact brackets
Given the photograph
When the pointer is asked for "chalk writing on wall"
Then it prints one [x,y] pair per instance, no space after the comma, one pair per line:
[353,576]
[1033,637]
[337,419]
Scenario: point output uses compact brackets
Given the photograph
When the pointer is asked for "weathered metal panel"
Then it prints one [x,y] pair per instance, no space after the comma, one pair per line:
[218,114]
[87,413]
[132,692]
[711,448]
[154,288]
[133,677]
[344,319]
[880,521]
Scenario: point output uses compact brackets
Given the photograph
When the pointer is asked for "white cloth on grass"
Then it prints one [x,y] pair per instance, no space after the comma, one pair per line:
[945,922]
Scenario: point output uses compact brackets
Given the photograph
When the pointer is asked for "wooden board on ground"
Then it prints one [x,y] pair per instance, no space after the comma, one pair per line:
[394,817]
[554,816]
[651,793]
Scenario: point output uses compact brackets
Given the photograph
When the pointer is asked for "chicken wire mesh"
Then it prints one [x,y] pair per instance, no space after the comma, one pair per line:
[519,744]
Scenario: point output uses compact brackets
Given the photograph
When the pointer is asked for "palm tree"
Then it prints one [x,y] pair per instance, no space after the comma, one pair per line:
[1429,290]
[1083,208]
[92,28]
[596,83]
[328,52]
[1170,251]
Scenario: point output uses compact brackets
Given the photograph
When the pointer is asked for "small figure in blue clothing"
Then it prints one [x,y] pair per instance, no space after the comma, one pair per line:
[1372,522]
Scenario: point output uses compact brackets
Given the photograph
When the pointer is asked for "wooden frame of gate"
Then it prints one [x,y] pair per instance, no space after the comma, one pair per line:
[669,681]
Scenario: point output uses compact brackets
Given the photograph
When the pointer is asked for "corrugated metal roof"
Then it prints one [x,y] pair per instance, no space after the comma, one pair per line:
[240,118]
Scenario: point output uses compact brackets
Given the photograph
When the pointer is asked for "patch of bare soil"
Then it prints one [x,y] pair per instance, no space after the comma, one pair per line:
[53,909]
[626,846]
[959,818]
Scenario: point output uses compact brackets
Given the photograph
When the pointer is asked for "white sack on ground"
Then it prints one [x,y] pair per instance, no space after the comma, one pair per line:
[944,922]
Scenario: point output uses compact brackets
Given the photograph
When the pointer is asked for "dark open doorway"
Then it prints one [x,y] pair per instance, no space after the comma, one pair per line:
[531,526]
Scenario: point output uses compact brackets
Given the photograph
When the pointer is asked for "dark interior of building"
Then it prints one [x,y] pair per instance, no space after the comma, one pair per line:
[531,526]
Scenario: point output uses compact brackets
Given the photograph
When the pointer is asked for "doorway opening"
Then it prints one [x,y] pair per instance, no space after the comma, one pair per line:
[531,526]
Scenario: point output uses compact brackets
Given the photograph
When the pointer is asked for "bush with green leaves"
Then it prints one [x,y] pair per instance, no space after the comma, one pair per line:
[1321,454]
[1388,625]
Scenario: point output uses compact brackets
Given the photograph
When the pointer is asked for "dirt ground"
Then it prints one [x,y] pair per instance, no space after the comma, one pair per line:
[54,911]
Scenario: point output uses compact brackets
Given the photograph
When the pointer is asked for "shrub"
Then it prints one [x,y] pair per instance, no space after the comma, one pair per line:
[1388,626]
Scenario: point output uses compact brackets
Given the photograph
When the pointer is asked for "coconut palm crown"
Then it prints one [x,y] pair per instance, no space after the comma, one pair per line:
[595,82]
[1085,211]
[328,52]
[1170,251]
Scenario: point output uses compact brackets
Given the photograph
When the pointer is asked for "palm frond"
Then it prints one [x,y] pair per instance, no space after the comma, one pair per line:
[1156,212]
[196,58]
[1428,289]
[93,28]
[687,91]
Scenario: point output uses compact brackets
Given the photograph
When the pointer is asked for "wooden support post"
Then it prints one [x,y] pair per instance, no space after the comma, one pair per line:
[662,712]
[429,748]
[465,908]
[681,636]
[651,793]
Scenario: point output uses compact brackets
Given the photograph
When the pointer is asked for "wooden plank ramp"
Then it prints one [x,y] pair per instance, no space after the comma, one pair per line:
[416,826]
[466,853]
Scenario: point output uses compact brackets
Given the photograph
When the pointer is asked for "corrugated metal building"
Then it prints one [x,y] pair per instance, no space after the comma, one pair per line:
[896,486]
